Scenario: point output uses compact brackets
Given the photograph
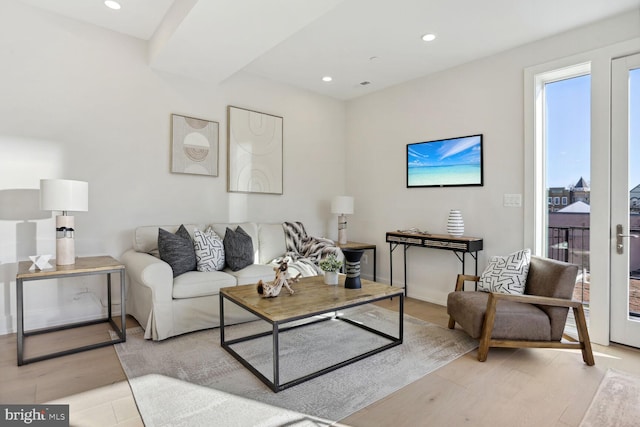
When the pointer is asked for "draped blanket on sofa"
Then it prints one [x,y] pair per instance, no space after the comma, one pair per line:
[306,251]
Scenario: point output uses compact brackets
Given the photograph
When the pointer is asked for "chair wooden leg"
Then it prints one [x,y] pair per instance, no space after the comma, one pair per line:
[583,335]
[487,329]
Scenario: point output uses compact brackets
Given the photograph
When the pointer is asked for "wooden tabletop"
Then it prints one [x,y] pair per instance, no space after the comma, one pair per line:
[311,297]
[92,264]
[356,245]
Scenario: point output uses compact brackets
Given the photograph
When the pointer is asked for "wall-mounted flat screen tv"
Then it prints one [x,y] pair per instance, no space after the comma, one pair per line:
[452,162]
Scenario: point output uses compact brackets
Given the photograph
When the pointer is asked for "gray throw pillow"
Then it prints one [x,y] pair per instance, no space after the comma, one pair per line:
[177,250]
[238,249]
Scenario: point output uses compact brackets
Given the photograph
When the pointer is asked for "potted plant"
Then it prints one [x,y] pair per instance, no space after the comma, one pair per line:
[330,265]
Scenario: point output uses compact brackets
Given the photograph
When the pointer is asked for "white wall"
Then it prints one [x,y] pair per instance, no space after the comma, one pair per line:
[485,97]
[80,102]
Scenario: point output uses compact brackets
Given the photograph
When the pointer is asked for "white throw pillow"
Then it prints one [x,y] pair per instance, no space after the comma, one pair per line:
[209,250]
[506,275]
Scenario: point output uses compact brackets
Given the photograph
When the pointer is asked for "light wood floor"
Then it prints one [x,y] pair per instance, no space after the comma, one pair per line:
[524,387]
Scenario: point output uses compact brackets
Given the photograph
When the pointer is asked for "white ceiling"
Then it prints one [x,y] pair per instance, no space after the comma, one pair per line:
[300,41]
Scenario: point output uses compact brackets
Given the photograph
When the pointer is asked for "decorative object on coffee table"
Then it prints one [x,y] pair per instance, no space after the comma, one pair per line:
[352,267]
[330,265]
[283,278]
[455,224]
[343,206]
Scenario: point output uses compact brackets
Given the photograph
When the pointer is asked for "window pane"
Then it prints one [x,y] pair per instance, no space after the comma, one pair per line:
[568,145]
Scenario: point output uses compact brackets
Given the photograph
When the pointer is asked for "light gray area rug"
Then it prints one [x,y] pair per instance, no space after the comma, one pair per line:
[169,402]
[197,358]
[616,403]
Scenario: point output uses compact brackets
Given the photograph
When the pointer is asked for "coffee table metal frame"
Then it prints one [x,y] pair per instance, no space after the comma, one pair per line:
[277,330]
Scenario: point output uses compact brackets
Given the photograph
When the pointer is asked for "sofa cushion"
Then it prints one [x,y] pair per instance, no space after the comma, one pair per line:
[238,249]
[145,238]
[177,250]
[271,241]
[200,283]
[209,250]
[506,275]
[252,273]
[514,320]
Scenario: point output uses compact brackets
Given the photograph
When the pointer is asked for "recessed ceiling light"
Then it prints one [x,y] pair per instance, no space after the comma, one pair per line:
[429,37]
[112,4]
[327,79]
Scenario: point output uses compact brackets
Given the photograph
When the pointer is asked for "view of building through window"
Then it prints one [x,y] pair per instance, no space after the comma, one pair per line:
[568,147]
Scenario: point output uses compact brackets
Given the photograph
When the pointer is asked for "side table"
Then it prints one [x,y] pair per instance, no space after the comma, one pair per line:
[365,246]
[84,266]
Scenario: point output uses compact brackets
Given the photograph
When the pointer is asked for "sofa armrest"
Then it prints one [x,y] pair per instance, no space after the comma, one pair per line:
[148,271]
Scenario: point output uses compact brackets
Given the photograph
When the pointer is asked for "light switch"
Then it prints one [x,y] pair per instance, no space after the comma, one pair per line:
[512,200]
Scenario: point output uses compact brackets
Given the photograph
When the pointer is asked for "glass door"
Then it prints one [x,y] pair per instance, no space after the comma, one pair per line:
[625,201]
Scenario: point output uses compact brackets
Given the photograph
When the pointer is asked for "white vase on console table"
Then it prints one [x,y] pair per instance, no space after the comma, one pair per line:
[455,224]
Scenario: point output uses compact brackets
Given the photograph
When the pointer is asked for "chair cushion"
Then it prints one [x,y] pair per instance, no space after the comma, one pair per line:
[514,321]
[556,279]
[506,275]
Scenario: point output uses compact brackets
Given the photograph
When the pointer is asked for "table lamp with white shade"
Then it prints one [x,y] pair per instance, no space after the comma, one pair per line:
[342,205]
[64,195]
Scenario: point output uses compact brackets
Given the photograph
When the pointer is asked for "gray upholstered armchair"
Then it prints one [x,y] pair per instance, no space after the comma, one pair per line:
[535,319]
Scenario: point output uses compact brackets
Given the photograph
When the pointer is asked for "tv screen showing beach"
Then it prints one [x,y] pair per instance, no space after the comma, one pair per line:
[446,162]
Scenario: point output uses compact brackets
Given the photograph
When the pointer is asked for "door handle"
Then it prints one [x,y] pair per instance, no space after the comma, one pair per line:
[619,236]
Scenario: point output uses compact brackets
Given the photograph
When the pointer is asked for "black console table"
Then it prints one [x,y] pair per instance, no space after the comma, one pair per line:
[460,246]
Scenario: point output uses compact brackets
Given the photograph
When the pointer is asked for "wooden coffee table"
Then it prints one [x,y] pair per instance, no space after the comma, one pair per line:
[311,298]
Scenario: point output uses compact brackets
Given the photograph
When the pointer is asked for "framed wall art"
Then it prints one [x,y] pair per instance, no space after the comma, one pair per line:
[254,161]
[194,145]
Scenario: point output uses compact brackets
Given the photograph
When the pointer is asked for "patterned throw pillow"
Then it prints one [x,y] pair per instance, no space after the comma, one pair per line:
[238,249]
[177,250]
[506,275]
[209,250]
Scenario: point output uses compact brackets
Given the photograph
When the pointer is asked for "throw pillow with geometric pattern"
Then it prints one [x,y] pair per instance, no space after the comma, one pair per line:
[209,250]
[506,275]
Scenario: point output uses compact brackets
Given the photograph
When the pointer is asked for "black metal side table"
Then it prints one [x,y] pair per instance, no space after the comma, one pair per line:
[84,266]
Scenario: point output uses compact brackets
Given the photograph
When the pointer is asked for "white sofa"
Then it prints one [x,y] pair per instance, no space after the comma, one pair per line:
[166,306]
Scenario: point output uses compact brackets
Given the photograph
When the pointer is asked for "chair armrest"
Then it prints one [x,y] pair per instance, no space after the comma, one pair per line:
[465,278]
[148,271]
[536,299]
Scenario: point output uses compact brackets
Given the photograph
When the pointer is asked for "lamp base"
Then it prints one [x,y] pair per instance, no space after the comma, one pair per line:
[65,243]
[342,229]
